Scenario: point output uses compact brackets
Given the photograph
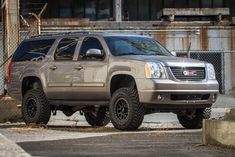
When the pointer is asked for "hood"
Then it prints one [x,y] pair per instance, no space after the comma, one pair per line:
[168,61]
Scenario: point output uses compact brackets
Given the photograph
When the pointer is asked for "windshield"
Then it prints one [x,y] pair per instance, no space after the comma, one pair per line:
[126,45]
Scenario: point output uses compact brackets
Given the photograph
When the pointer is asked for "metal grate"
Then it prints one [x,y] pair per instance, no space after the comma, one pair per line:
[189,73]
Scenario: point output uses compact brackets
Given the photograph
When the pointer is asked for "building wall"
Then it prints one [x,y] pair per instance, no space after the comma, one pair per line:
[139,10]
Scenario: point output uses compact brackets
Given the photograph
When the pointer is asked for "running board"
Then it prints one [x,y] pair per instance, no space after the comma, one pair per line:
[78,103]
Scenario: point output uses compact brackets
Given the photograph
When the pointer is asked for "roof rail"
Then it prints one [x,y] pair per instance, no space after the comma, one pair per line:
[60,34]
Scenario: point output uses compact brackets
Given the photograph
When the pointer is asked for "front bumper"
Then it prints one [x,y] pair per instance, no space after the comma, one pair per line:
[174,94]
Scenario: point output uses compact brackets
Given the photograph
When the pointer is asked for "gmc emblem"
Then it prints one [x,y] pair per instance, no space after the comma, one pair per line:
[190,73]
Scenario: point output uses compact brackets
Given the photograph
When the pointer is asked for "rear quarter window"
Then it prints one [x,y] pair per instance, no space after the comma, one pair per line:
[33,50]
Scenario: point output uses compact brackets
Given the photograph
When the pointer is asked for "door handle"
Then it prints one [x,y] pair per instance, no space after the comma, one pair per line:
[53,67]
[79,68]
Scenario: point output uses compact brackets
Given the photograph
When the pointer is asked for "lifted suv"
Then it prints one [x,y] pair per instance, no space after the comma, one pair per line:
[109,76]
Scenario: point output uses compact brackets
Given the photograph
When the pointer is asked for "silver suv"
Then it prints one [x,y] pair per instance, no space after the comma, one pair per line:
[109,76]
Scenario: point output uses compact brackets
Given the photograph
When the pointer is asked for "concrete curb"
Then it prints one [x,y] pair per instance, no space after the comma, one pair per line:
[10,149]
[220,132]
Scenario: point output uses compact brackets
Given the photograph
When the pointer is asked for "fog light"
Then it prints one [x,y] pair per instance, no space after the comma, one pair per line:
[159,97]
[214,97]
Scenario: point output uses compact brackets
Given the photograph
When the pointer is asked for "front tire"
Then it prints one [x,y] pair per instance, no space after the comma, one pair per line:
[193,119]
[35,107]
[126,113]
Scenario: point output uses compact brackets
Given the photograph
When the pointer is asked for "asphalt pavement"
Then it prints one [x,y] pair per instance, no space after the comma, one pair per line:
[160,135]
[129,145]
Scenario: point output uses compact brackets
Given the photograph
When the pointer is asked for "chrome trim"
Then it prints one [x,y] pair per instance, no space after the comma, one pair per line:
[182,91]
[59,84]
[88,84]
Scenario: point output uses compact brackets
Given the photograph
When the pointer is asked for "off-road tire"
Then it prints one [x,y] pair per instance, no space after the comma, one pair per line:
[101,118]
[207,113]
[43,110]
[135,112]
[196,122]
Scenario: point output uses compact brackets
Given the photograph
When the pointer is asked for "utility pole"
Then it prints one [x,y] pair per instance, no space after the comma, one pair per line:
[118,10]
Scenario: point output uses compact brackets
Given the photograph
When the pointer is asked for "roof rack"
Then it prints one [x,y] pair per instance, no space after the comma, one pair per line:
[60,34]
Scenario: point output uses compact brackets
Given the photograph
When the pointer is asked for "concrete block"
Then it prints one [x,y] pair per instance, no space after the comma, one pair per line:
[219,132]
[230,116]
[196,11]
[9,110]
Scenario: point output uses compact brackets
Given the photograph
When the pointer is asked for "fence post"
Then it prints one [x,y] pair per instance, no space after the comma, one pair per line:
[1,70]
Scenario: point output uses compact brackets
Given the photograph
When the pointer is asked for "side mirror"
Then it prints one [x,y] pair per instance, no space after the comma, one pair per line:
[94,53]
[174,53]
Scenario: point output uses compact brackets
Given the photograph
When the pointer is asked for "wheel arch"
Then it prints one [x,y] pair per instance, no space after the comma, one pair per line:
[121,80]
[31,82]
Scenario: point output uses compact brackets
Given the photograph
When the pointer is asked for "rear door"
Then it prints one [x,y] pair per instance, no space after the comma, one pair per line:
[89,81]
[60,71]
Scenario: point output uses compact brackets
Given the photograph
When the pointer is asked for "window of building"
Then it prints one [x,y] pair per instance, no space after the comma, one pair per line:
[144,13]
[181,4]
[217,3]
[155,8]
[132,7]
[104,10]
[169,3]
[78,9]
[138,10]
[206,4]
[90,10]
[65,9]
[33,50]
[194,3]
[66,49]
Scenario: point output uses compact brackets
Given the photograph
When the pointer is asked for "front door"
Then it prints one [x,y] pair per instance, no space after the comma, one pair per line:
[60,71]
[90,72]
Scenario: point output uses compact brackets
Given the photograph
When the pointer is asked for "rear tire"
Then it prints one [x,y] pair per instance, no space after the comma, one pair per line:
[193,118]
[35,107]
[97,118]
[126,113]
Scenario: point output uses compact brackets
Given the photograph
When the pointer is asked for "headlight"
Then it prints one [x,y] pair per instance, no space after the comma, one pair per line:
[154,70]
[210,71]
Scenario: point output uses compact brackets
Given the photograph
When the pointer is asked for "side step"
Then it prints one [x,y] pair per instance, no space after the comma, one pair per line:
[78,103]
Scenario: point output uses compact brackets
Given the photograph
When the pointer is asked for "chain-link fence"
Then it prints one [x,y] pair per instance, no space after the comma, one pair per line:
[9,107]
[217,58]
[2,76]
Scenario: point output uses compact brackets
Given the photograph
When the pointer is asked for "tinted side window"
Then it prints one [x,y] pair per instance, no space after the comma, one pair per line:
[90,43]
[66,49]
[33,50]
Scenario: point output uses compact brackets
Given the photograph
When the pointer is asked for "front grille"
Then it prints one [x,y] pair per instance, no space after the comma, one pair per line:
[189,73]
[195,97]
